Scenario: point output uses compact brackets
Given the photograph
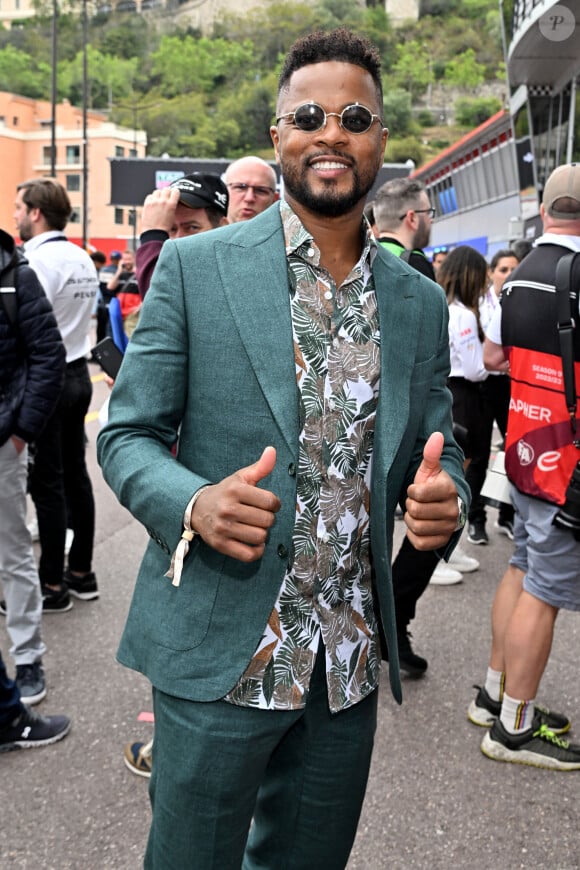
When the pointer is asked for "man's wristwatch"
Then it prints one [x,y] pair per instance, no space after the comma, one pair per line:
[462,517]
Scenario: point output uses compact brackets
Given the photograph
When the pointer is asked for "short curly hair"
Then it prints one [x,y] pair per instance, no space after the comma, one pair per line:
[336,45]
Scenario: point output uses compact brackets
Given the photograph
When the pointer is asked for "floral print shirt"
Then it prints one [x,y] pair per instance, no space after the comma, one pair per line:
[327,591]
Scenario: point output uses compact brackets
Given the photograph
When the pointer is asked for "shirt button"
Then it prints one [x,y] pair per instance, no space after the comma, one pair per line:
[292,470]
[310,252]
[282,551]
[325,538]
[328,294]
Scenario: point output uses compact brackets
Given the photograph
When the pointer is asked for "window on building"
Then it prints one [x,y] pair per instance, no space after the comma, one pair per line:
[15,121]
[46,155]
[119,216]
[132,152]
[73,182]
[119,151]
[73,154]
[75,217]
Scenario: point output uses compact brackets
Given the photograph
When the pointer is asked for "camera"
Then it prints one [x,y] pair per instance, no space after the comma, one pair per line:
[568,517]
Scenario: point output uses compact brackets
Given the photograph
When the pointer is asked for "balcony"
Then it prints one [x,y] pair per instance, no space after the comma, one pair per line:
[545,46]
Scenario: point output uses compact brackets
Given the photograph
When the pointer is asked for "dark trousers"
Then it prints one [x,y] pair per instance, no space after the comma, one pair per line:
[412,570]
[469,411]
[59,482]
[10,704]
[495,394]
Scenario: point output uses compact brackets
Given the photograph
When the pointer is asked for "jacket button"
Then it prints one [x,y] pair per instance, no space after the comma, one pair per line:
[292,470]
[282,551]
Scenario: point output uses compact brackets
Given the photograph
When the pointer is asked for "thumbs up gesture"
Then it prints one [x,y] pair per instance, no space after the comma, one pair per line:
[432,510]
[234,516]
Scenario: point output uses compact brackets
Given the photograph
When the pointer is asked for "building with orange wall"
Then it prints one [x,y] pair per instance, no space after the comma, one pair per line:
[25,152]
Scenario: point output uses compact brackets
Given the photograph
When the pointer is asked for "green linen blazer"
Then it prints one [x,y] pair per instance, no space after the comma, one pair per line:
[213,360]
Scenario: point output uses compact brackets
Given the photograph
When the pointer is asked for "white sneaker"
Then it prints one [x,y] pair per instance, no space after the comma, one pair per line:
[443,575]
[460,561]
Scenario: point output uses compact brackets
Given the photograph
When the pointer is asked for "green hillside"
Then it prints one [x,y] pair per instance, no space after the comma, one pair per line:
[213,96]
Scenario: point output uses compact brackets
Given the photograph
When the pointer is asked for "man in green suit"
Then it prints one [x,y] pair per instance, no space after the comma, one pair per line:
[304,370]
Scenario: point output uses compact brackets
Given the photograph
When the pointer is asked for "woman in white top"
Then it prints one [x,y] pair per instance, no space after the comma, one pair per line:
[496,389]
[463,276]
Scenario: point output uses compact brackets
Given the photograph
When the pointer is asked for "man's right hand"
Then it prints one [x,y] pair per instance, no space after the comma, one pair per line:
[159,210]
[234,516]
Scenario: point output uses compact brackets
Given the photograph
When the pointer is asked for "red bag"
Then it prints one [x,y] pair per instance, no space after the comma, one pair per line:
[540,455]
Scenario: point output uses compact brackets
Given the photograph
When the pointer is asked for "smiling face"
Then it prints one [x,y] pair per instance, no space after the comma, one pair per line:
[330,171]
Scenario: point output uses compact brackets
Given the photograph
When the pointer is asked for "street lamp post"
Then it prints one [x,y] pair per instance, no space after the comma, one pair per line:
[85,206]
[53,90]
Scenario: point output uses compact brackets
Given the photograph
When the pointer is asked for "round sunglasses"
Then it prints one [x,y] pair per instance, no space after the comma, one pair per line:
[311,117]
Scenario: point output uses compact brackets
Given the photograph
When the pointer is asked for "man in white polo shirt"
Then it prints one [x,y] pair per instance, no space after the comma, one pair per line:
[59,482]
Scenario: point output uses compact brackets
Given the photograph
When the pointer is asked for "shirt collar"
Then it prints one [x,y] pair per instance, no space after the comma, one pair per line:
[571,242]
[36,241]
[299,241]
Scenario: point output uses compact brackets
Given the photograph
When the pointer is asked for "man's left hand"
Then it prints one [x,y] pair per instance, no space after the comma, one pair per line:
[432,510]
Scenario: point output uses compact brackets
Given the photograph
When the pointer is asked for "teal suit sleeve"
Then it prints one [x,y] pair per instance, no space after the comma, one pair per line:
[146,409]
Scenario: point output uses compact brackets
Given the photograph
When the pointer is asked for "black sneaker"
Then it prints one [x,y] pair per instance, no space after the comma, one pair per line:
[484,711]
[476,534]
[82,587]
[505,527]
[31,683]
[413,665]
[538,746]
[56,600]
[30,730]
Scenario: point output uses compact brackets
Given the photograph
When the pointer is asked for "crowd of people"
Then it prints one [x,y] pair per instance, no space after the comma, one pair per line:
[269,594]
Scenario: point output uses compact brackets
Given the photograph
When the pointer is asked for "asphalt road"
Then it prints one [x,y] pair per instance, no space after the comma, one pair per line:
[433,802]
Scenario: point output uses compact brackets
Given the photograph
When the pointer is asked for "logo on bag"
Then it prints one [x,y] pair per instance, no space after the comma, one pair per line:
[525,452]
[549,461]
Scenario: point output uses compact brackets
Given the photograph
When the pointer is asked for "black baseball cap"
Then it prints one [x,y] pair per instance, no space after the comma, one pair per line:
[202,189]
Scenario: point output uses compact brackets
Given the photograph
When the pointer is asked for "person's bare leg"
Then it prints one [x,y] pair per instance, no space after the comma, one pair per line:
[506,598]
[527,645]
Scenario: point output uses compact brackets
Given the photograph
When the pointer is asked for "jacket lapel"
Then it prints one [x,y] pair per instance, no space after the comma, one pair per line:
[254,281]
[399,325]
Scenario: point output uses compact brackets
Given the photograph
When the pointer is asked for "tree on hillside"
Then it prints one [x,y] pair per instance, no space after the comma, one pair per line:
[412,68]
[464,71]
[20,75]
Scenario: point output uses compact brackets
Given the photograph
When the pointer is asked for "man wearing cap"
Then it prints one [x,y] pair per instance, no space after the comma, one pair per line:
[544,572]
[251,184]
[192,204]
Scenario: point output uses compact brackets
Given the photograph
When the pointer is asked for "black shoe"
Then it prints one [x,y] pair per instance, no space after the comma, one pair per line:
[476,534]
[484,711]
[537,746]
[30,730]
[31,683]
[82,587]
[413,665]
[56,600]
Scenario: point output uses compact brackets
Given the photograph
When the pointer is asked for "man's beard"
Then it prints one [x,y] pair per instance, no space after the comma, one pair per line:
[24,232]
[422,235]
[328,202]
